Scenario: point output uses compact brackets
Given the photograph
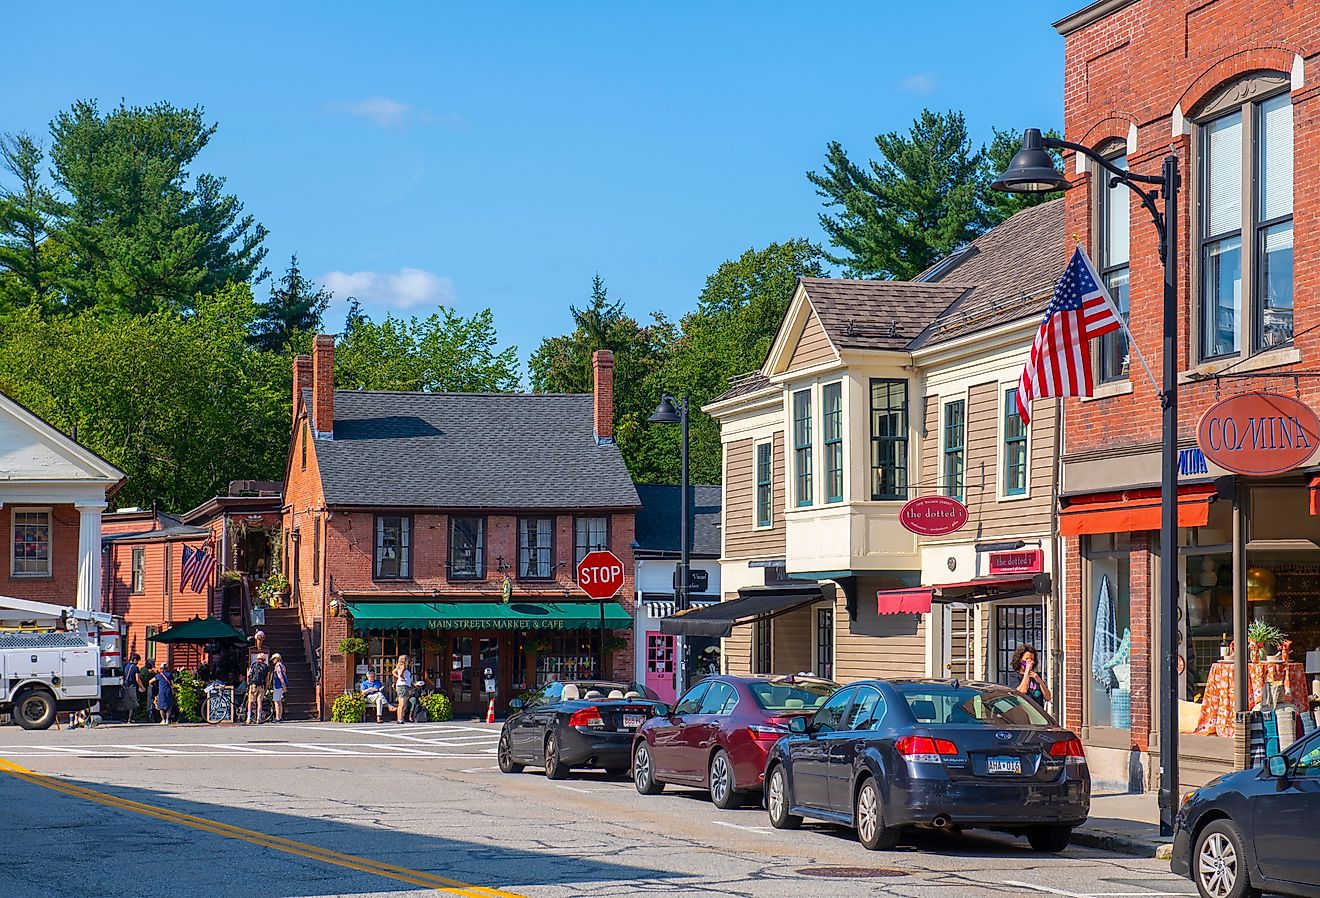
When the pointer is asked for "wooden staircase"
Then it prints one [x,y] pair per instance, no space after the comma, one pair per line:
[284,635]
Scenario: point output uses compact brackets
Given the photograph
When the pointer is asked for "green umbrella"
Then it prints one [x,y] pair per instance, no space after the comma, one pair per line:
[199,630]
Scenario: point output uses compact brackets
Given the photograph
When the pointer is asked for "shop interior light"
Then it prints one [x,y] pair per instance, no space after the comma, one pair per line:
[1260,585]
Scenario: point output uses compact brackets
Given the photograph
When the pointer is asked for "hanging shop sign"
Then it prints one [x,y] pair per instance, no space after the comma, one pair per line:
[1026,561]
[933,515]
[1259,433]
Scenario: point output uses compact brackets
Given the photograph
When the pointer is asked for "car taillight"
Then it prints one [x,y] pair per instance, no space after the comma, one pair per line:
[587,717]
[1068,749]
[770,733]
[925,750]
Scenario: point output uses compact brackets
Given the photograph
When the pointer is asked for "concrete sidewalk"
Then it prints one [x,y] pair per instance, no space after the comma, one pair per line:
[1124,823]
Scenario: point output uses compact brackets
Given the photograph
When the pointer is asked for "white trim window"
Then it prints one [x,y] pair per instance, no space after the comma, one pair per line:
[764,502]
[1115,217]
[1016,454]
[30,551]
[955,447]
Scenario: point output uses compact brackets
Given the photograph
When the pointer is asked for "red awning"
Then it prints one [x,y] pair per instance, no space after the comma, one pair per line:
[1313,487]
[1133,511]
[905,601]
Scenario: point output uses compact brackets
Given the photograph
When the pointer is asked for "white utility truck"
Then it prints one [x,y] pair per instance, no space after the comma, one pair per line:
[56,658]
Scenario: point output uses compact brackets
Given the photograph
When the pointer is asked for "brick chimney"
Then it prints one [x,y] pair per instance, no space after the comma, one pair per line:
[302,380]
[323,385]
[602,364]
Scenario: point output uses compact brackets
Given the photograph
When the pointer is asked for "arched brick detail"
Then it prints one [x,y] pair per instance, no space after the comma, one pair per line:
[1266,58]
[1112,127]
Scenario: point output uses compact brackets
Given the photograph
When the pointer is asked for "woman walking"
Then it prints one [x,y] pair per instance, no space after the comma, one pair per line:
[164,693]
[403,683]
[281,682]
[1033,684]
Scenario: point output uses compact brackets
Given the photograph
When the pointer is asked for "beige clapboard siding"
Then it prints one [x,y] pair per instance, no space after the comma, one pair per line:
[738,647]
[930,449]
[742,538]
[793,636]
[813,347]
[877,645]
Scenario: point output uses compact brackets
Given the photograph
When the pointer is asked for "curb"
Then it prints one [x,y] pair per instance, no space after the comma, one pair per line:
[1120,844]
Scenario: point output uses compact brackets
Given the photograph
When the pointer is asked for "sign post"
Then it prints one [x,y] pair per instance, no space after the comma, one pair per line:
[600,576]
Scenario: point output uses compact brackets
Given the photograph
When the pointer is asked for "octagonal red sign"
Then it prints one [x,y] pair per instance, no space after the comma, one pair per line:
[933,515]
[600,574]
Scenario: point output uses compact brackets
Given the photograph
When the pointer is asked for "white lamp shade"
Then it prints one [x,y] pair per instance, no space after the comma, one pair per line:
[1313,662]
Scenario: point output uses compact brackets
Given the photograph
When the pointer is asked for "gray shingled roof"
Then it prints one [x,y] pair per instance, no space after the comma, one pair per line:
[1013,267]
[744,385]
[877,314]
[658,521]
[470,450]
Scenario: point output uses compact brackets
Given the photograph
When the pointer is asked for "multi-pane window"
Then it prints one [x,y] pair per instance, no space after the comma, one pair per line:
[825,643]
[1115,217]
[764,486]
[1246,225]
[1015,446]
[31,549]
[137,583]
[955,438]
[763,636]
[535,548]
[589,535]
[889,439]
[393,547]
[832,399]
[802,445]
[467,548]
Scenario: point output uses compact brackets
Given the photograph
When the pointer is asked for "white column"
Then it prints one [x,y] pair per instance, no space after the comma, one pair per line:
[89,557]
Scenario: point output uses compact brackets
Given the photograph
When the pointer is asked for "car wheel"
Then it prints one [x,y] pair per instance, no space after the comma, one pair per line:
[1051,839]
[776,801]
[35,709]
[722,792]
[643,772]
[869,818]
[554,769]
[1219,865]
[505,753]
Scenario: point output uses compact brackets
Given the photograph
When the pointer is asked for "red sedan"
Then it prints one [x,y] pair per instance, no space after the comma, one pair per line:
[718,735]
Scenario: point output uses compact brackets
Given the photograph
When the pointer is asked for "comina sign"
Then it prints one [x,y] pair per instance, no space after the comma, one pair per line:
[1259,433]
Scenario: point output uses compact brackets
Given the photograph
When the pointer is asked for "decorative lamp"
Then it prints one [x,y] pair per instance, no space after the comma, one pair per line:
[334,608]
[1260,585]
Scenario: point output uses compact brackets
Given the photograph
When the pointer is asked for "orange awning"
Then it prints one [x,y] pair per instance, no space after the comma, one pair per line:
[1313,487]
[1133,511]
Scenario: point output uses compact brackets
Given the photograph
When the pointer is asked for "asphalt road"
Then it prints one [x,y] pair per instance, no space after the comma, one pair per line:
[302,810]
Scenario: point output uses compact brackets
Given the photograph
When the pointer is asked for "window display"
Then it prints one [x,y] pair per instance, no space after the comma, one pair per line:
[1109,602]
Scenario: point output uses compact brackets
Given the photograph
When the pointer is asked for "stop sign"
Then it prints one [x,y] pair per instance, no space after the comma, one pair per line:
[600,574]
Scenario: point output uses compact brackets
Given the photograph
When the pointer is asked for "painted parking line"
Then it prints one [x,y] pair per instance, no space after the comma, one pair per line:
[760,830]
[288,846]
[1048,890]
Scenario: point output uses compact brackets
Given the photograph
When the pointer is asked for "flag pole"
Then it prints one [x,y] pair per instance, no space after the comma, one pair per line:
[1132,344]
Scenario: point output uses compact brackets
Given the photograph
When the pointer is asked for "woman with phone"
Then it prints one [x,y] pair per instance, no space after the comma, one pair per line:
[1033,684]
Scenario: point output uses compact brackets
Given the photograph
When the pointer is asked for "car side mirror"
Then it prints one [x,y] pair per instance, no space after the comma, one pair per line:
[797,725]
[662,710]
[1278,766]
[516,704]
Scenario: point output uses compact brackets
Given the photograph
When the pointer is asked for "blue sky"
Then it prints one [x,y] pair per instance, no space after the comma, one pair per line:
[499,155]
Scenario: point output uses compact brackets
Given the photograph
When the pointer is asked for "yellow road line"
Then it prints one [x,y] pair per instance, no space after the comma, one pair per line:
[289,846]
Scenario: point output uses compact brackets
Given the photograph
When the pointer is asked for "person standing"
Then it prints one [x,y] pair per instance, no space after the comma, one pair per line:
[403,684]
[279,682]
[1033,684]
[148,678]
[133,687]
[164,685]
[258,671]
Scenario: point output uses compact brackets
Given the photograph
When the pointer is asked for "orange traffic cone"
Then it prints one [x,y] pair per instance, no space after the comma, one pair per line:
[490,712]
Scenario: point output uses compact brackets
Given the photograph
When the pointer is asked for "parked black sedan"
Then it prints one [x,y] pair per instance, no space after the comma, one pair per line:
[587,723]
[1254,830]
[882,755]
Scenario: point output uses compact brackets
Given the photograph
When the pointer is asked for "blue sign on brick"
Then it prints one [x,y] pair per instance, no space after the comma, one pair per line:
[1191,461]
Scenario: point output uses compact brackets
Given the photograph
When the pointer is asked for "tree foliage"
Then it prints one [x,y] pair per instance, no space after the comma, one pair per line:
[444,352]
[30,262]
[294,310]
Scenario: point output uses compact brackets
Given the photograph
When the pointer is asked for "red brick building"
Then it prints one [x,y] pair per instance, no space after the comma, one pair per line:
[448,527]
[1230,87]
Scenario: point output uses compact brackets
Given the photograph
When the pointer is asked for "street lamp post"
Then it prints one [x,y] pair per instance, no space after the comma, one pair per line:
[670,411]
[1032,171]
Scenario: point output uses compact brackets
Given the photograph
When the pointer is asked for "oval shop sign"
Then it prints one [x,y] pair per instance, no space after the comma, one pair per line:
[1258,433]
[933,515]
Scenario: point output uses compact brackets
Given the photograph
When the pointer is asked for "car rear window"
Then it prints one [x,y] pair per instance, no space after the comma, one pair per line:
[968,704]
[786,695]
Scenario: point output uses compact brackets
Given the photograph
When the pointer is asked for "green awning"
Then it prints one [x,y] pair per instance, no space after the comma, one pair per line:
[487,615]
[199,630]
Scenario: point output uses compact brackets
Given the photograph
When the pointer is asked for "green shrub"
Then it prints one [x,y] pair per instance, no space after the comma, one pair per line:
[438,706]
[350,708]
[353,645]
[188,696]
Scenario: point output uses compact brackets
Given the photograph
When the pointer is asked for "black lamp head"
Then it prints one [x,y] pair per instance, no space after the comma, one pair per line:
[665,412]
[1032,169]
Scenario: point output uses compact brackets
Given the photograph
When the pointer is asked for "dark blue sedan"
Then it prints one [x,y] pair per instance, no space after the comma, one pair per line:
[883,755]
[1255,829]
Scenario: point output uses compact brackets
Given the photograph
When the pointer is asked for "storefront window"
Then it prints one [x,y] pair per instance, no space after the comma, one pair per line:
[1207,620]
[571,656]
[1108,631]
[383,653]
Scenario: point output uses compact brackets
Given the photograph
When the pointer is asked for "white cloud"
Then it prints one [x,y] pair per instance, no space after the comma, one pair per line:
[920,83]
[387,112]
[404,289]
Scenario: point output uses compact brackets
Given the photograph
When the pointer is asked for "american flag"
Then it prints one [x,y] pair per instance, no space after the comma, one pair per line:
[196,568]
[1060,363]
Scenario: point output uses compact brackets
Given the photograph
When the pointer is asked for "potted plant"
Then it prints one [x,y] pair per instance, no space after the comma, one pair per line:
[614,643]
[1263,638]
[353,645]
[273,589]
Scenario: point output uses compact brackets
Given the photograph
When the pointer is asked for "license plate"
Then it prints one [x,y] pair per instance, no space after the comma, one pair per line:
[633,721]
[1004,764]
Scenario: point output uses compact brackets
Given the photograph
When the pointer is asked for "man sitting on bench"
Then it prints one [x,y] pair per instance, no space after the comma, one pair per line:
[373,691]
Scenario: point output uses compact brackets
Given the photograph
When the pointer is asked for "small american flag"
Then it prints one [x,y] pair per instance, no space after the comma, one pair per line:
[1060,362]
[196,568]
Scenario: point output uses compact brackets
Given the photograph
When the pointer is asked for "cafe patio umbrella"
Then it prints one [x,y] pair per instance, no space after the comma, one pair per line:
[199,630]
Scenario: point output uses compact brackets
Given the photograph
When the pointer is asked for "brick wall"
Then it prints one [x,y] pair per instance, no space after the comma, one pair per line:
[61,587]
